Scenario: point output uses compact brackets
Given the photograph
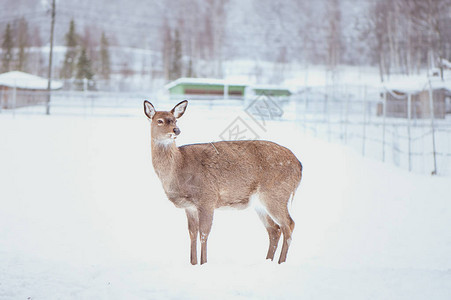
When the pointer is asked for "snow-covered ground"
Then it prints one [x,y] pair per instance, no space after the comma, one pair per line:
[83,216]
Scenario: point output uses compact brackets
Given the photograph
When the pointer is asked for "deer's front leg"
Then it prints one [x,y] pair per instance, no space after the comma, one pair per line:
[193,228]
[205,222]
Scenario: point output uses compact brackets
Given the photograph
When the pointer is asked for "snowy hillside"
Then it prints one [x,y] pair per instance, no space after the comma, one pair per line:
[83,216]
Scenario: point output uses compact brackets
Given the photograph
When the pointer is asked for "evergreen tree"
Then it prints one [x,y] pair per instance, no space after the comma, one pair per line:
[105,68]
[68,69]
[84,66]
[23,44]
[7,49]
[176,68]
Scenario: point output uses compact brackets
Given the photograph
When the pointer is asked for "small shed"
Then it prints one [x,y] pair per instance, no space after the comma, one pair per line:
[397,99]
[19,89]
[205,87]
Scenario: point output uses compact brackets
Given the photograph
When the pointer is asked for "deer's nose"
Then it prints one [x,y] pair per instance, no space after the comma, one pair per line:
[176,131]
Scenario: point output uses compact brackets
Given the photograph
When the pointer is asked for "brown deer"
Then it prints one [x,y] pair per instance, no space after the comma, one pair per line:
[202,177]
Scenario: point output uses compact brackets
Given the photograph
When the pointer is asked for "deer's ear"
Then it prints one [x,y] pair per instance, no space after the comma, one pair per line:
[149,110]
[179,109]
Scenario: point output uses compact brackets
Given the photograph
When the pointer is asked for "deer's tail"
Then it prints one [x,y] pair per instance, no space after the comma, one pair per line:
[297,185]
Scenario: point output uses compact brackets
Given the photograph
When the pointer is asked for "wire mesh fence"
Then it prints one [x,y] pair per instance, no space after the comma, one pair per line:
[401,131]
[374,126]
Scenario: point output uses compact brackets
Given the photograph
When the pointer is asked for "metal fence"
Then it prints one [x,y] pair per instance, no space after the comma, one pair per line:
[76,103]
[355,116]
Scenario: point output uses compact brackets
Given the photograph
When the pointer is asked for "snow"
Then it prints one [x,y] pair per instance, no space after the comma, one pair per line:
[446,63]
[27,81]
[414,84]
[84,216]
[207,81]
[314,77]
[268,87]
[320,76]
[241,81]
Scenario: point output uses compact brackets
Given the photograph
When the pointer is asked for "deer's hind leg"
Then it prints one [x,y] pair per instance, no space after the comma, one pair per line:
[274,232]
[276,204]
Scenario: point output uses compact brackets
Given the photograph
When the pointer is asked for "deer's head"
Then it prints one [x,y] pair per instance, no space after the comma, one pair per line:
[163,124]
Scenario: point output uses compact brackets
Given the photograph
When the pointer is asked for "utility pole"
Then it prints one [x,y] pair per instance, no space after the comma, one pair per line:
[49,87]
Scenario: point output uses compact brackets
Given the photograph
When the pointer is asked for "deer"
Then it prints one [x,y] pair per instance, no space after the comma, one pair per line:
[200,178]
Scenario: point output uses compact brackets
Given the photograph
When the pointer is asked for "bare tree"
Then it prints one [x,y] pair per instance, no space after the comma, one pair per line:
[177,59]
[374,33]
[105,63]
[166,49]
[7,49]
[431,19]
[334,34]
[23,43]
[217,23]
[36,57]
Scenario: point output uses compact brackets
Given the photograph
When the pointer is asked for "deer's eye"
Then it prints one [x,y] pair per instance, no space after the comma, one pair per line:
[160,122]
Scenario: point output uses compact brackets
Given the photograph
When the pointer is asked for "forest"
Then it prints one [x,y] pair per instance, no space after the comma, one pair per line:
[194,38]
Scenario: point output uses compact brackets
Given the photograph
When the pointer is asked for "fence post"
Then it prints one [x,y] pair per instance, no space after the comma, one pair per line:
[409,116]
[431,108]
[305,99]
[14,98]
[92,98]
[85,95]
[342,120]
[305,109]
[384,113]
[346,119]
[364,121]
[326,111]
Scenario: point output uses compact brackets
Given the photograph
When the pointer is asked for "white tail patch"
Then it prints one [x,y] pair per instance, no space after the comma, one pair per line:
[260,208]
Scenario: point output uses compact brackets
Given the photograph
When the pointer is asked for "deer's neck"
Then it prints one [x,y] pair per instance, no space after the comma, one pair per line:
[165,158]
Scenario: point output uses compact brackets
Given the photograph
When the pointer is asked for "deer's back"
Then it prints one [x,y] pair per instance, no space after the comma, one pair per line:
[231,171]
